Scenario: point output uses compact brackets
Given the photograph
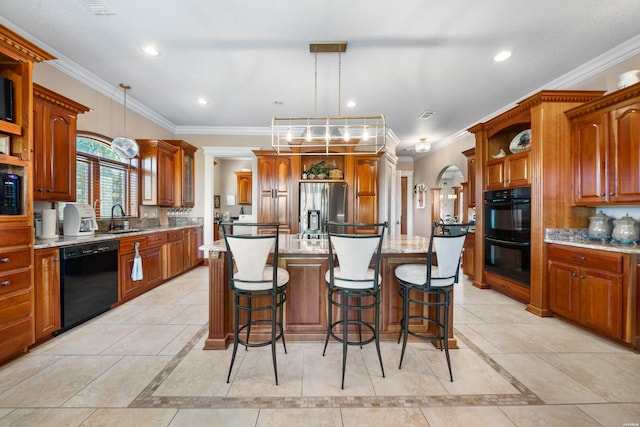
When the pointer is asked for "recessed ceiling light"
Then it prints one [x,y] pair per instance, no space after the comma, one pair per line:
[202,101]
[502,56]
[351,104]
[150,50]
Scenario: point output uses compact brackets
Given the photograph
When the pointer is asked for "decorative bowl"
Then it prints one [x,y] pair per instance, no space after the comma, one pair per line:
[521,142]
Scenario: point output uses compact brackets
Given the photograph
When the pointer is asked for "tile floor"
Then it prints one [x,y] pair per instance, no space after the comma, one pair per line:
[142,364]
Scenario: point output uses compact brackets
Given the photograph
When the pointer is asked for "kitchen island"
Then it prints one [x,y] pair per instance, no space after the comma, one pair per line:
[306,260]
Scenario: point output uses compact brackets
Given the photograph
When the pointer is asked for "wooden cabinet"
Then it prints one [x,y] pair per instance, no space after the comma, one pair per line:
[16,290]
[470,188]
[193,241]
[468,263]
[150,249]
[366,191]
[605,149]
[17,56]
[509,171]
[184,173]
[590,287]
[157,172]
[173,254]
[243,180]
[47,292]
[307,287]
[545,167]
[275,192]
[54,131]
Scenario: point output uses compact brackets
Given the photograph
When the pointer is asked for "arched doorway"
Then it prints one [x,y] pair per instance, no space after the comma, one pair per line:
[449,203]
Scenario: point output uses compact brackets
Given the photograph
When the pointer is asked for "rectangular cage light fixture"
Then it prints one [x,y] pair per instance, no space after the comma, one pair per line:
[323,134]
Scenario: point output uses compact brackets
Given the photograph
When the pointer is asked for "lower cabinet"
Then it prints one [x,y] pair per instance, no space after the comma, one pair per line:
[173,253]
[150,250]
[590,287]
[193,256]
[467,255]
[47,292]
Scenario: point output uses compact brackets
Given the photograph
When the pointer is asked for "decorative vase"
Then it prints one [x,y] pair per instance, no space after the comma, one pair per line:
[599,226]
[625,230]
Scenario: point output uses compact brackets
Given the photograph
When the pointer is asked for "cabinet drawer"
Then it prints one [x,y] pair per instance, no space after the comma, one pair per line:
[128,244]
[15,306]
[172,236]
[15,236]
[10,282]
[600,260]
[12,259]
[16,337]
[156,239]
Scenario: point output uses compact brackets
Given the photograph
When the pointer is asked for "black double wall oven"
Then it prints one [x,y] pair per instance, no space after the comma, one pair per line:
[507,233]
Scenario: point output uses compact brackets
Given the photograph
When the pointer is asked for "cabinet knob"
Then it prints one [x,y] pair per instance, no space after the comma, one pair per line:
[581,258]
[612,194]
[6,282]
[574,275]
[582,276]
[4,260]
[602,194]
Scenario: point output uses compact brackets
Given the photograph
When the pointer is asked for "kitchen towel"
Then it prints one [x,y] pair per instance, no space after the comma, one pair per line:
[136,271]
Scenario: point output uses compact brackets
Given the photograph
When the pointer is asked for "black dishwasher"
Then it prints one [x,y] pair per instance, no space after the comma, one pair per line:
[88,281]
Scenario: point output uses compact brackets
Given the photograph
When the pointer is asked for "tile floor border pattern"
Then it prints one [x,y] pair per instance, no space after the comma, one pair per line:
[147,399]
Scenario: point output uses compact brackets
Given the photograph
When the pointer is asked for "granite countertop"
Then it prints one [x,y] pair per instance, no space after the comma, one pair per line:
[580,239]
[292,244]
[61,241]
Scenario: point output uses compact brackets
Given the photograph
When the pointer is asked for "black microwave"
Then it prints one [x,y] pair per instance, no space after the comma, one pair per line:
[10,193]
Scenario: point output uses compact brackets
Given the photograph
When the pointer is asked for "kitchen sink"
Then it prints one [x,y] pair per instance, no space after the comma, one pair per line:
[123,231]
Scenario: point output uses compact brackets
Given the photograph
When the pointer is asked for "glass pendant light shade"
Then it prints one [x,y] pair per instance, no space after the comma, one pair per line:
[123,146]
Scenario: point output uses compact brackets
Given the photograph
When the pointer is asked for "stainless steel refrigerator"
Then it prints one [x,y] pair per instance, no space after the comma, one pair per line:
[321,202]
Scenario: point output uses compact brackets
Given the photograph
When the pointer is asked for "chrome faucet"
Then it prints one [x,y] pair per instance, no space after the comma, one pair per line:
[112,225]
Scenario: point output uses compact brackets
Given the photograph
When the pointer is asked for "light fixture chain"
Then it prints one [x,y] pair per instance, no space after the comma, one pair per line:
[315,86]
[339,82]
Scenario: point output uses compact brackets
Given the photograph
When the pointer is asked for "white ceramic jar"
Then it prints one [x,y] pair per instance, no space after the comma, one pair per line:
[625,230]
[599,226]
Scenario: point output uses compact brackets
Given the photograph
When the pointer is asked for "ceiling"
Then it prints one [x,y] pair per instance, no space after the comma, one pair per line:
[251,58]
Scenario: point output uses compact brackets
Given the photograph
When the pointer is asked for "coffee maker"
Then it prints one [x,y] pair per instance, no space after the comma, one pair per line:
[79,220]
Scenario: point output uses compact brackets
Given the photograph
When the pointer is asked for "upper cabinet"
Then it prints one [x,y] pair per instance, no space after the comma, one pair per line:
[157,172]
[184,173]
[54,131]
[470,190]
[243,181]
[275,189]
[365,191]
[605,149]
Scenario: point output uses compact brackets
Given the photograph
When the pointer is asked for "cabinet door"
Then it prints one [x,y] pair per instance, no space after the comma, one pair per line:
[243,187]
[166,185]
[366,191]
[175,258]
[55,153]
[624,180]
[128,287]
[602,301]
[564,282]
[517,166]
[274,182]
[495,174]
[47,292]
[307,291]
[471,179]
[589,158]
[152,266]
[188,174]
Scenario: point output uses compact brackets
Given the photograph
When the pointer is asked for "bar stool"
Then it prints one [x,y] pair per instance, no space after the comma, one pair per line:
[256,287]
[351,281]
[430,287]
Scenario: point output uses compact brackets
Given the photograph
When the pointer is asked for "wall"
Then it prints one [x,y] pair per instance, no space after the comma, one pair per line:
[428,169]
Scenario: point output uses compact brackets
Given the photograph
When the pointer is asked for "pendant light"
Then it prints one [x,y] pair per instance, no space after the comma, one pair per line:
[123,146]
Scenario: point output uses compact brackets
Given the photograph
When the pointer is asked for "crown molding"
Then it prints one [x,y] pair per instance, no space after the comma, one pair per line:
[223,130]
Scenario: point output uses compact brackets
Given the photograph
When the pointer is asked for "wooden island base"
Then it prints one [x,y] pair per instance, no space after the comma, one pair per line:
[306,306]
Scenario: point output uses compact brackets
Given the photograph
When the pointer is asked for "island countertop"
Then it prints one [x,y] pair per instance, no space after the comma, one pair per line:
[292,244]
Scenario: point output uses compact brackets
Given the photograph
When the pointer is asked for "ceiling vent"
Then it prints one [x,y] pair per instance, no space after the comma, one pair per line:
[97,8]
[426,114]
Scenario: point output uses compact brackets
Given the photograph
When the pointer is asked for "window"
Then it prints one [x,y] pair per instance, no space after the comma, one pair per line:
[103,178]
